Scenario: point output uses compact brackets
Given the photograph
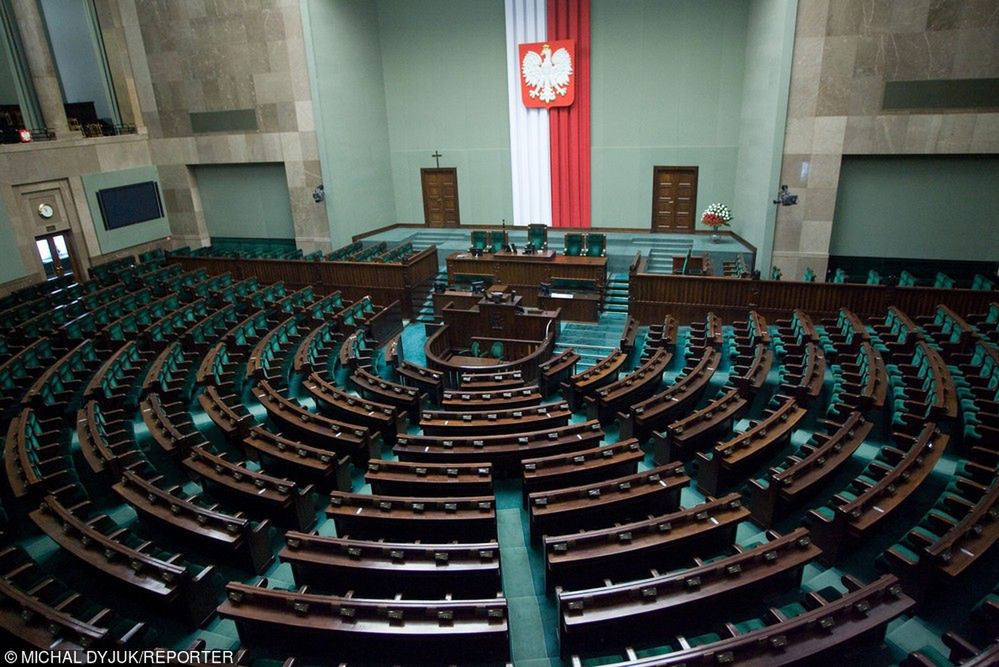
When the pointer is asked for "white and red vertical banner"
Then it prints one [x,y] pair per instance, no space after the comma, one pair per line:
[529,152]
[548,63]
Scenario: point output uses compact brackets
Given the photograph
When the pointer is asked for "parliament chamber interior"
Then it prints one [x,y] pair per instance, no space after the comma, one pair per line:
[701,368]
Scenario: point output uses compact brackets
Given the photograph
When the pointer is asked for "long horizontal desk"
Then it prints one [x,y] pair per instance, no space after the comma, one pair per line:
[523,273]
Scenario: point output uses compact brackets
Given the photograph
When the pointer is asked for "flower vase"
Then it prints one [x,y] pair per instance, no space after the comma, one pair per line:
[715,236]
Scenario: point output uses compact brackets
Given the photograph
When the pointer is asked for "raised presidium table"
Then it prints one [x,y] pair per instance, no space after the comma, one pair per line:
[577,283]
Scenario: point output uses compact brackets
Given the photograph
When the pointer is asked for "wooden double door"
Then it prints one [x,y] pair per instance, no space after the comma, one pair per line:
[440,196]
[674,199]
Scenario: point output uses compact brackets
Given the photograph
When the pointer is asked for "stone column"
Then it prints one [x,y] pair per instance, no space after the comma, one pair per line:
[42,65]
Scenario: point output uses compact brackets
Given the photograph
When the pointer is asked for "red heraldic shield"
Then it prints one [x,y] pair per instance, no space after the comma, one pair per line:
[547,76]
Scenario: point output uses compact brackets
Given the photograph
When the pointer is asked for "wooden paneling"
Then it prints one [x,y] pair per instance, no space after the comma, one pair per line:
[653,296]
[523,275]
[384,283]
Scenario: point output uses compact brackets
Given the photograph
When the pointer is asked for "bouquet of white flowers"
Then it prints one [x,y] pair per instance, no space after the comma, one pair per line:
[716,215]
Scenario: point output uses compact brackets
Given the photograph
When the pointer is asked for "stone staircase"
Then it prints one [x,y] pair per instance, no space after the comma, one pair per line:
[592,341]
[616,293]
[661,249]
[423,300]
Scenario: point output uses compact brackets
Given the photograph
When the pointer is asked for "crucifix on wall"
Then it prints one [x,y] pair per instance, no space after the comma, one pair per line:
[437,157]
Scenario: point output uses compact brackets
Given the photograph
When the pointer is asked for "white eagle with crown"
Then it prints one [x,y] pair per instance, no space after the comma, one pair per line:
[547,73]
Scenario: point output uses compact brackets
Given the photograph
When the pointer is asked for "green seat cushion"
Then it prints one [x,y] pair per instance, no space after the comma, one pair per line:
[748,626]
[701,640]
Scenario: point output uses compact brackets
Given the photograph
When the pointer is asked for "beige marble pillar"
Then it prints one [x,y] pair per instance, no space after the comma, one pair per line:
[41,64]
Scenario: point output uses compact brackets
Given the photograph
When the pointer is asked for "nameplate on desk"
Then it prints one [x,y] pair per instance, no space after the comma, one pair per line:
[563,295]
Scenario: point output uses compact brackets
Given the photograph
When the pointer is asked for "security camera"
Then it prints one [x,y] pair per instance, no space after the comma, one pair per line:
[785,198]
[319,194]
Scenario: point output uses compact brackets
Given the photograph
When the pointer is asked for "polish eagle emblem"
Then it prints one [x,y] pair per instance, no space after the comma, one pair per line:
[547,74]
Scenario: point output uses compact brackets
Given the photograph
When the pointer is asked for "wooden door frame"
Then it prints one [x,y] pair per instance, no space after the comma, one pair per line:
[697,177]
[67,234]
[423,194]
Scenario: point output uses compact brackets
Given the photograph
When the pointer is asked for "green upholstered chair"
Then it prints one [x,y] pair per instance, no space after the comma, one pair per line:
[478,239]
[906,279]
[775,273]
[873,277]
[573,244]
[809,276]
[840,277]
[981,283]
[596,244]
[475,349]
[496,351]
[943,281]
[537,235]
[497,239]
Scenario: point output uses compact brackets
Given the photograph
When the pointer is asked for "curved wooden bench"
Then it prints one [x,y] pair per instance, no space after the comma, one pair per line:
[726,463]
[634,611]
[820,632]
[166,580]
[853,514]
[491,399]
[619,499]
[299,460]
[354,440]
[471,381]
[226,411]
[386,569]
[580,466]
[198,522]
[630,389]
[398,478]
[375,388]
[34,456]
[43,613]
[339,628]
[283,499]
[655,412]
[442,422]
[685,436]
[505,451]
[170,425]
[381,417]
[464,518]
[813,463]
[556,370]
[578,560]
[428,381]
[602,373]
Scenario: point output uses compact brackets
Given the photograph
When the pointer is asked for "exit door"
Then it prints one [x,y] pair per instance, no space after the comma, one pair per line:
[54,251]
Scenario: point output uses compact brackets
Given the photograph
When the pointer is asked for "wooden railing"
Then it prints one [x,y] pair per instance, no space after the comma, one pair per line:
[439,346]
[384,282]
[652,296]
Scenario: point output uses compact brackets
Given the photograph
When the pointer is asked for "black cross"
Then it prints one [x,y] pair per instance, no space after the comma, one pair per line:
[437,156]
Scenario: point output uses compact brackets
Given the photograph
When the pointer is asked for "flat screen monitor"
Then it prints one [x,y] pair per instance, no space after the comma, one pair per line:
[130,204]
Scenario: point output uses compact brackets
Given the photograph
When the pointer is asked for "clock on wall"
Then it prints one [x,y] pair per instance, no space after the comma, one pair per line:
[46,211]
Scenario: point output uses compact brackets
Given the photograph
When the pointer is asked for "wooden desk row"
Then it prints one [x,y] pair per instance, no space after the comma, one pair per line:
[368,629]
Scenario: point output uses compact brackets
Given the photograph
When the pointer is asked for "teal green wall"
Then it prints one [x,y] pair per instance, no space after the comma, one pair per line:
[667,90]
[133,235]
[246,200]
[929,207]
[445,75]
[12,267]
[770,41]
[395,80]
[348,97]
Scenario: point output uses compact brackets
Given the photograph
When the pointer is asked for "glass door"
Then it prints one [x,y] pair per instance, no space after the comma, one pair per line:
[55,255]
